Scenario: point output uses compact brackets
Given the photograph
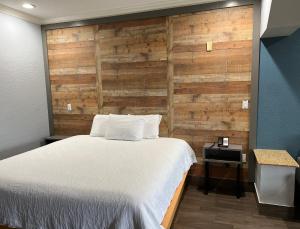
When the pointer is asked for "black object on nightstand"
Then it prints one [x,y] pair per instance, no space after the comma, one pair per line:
[230,155]
[54,138]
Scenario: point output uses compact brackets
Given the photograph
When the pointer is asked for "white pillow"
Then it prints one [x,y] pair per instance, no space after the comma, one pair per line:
[124,129]
[151,127]
[99,126]
[151,124]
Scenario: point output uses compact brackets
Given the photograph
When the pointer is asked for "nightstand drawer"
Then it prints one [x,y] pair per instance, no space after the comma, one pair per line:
[222,154]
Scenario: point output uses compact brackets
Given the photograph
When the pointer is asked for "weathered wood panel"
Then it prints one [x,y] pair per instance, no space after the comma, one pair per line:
[132,68]
[209,87]
[72,67]
[72,124]
[157,65]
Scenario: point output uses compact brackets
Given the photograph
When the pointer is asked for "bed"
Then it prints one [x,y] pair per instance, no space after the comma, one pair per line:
[91,182]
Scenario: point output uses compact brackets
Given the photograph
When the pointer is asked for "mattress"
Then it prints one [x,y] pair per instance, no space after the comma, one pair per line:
[90,182]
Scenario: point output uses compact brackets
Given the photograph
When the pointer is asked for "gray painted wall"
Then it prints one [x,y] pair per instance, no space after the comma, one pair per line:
[23,102]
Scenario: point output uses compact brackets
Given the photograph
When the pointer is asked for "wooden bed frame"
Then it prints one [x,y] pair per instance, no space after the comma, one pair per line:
[170,214]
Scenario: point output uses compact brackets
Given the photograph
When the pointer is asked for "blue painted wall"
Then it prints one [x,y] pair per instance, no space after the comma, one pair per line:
[279,94]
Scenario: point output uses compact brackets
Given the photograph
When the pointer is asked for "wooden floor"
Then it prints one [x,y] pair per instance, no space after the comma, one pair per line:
[223,211]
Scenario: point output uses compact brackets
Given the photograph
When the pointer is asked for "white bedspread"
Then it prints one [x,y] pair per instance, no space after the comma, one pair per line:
[89,182]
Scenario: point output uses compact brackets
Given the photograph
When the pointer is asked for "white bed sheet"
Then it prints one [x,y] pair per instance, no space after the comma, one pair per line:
[88,182]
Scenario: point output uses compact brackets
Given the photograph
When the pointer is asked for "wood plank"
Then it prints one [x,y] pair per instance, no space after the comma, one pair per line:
[221,77]
[129,66]
[72,62]
[99,67]
[139,101]
[223,56]
[170,75]
[73,124]
[209,107]
[73,79]
[155,46]
[67,35]
[71,45]
[75,102]
[217,68]
[210,98]
[73,70]
[213,87]
[180,47]
[134,110]
[135,92]
[212,125]
[54,53]
[133,23]
[141,83]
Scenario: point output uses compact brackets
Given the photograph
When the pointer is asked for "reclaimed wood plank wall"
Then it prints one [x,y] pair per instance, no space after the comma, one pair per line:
[132,66]
[72,68]
[209,87]
[157,65]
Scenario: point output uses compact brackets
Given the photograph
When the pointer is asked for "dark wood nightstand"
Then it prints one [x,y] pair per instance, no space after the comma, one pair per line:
[55,138]
[233,154]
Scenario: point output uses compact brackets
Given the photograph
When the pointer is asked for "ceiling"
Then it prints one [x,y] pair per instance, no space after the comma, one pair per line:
[55,11]
[279,18]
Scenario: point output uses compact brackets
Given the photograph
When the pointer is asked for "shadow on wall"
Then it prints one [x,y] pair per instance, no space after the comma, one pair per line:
[19,149]
[279,94]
